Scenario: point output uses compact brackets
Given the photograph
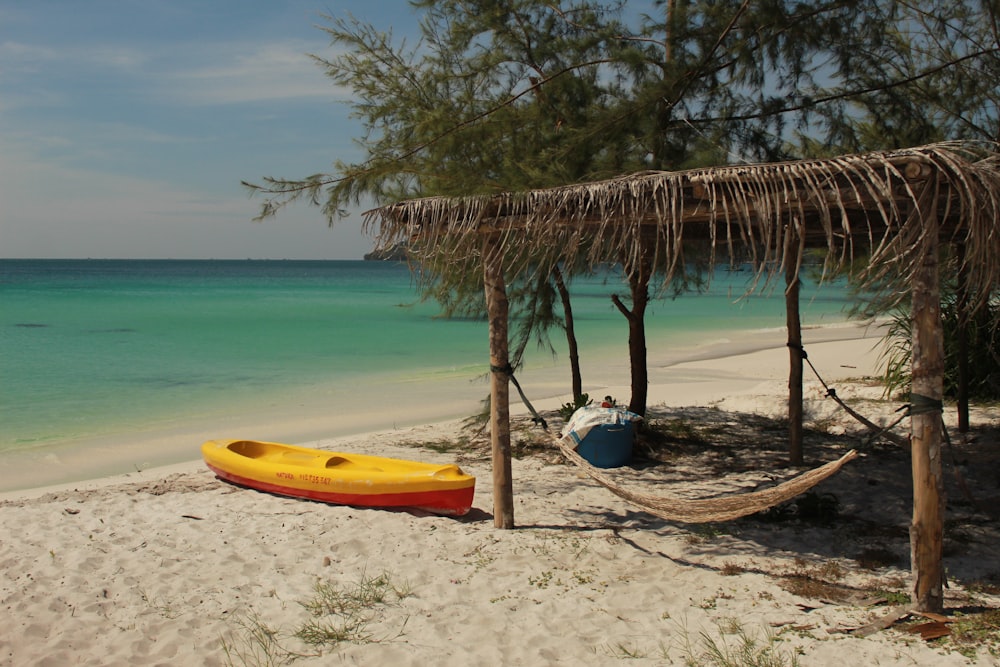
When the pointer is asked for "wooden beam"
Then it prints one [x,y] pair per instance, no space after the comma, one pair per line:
[927,392]
[497,310]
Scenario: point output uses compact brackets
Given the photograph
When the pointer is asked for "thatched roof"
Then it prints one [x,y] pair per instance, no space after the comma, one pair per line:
[876,204]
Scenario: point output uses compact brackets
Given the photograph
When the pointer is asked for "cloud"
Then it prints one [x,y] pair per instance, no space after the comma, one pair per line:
[131,145]
[57,211]
[21,57]
[195,74]
[241,73]
[12,52]
[36,76]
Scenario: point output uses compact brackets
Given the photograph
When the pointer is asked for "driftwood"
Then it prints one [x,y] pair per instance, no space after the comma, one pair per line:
[708,510]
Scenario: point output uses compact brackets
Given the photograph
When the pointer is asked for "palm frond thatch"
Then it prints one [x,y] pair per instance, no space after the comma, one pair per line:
[875,203]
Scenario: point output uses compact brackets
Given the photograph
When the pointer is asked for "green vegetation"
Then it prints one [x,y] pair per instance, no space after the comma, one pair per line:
[338,614]
[257,645]
[567,409]
[447,445]
[735,646]
[982,330]
[972,633]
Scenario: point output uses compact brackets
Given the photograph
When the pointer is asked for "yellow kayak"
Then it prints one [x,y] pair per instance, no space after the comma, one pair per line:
[344,479]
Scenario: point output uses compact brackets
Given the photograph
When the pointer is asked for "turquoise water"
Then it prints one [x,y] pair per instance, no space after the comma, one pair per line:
[92,348]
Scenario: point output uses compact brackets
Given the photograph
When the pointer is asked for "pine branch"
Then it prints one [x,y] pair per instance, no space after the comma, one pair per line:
[809,102]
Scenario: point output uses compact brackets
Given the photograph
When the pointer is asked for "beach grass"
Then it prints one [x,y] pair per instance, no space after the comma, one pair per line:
[730,643]
[338,614]
[972,633]
[255,644]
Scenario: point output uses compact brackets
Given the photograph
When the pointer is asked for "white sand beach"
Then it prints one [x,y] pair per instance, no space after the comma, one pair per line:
[174,567]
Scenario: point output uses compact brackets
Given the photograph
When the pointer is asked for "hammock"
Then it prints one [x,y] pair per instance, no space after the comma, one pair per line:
[702,510]
[709,510]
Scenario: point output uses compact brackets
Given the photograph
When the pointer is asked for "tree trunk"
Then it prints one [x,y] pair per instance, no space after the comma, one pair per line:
[927,528]
[637,350]
[574,351]
[963,321]
[794,325]
[638,280]
[497,310]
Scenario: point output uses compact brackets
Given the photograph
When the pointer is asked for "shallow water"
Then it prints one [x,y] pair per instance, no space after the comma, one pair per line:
[109,351]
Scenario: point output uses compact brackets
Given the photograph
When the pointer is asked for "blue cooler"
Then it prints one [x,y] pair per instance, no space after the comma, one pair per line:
[603,436]
[607,445]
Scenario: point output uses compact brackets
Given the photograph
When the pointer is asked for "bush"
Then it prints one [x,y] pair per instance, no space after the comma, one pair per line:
[983,334]
[567,409]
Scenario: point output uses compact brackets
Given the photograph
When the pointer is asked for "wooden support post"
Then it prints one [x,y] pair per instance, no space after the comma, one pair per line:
[497,309]
[963,322]
[927,392]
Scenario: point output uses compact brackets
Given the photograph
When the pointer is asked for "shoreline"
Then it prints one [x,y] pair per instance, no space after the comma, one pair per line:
[681,378]
[158,413]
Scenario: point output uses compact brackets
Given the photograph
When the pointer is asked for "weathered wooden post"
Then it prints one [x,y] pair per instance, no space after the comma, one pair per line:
[497,312]
[927,392]
[963,322]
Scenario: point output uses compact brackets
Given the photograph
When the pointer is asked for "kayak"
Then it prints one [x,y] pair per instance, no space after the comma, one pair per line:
[340,478]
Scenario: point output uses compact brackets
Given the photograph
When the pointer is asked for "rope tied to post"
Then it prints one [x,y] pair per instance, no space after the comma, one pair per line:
[924,405]
[508,370]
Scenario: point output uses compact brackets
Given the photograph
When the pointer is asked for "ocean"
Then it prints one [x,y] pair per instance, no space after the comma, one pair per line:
[116,360]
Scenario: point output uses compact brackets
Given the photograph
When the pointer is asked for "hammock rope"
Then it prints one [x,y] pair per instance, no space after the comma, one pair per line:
[877,431]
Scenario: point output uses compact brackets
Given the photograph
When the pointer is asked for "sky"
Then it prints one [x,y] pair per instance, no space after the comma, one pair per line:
[126,126]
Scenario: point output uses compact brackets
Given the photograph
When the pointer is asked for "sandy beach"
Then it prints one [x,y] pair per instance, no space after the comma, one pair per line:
[174,567]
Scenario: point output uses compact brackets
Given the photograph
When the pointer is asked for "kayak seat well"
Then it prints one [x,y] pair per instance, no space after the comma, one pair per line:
[248,448]
[343,462]
[297,458]
[335,461]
